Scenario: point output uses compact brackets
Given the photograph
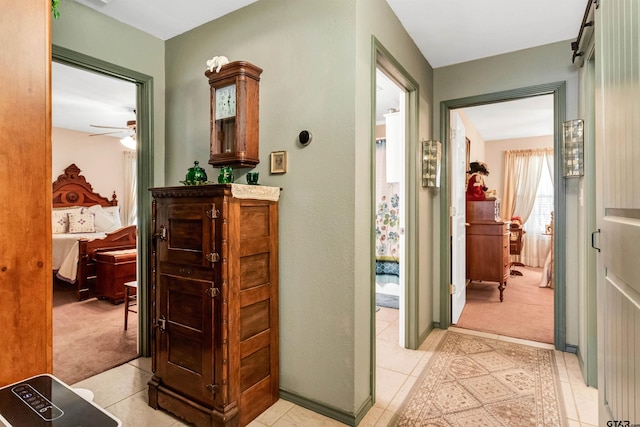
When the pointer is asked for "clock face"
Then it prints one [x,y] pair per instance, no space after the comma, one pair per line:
[226,102]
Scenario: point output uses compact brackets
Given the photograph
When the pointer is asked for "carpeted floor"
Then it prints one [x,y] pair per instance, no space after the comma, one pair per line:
[474,381]
[89,336]
[526,312]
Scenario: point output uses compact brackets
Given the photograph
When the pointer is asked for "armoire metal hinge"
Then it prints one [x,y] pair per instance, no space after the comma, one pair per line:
[213,257]
[213,213]
[212,292]
[452,288]
[213,388]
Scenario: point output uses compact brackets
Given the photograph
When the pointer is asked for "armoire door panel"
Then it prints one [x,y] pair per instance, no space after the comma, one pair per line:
[254,270]
[190,234]
[255,222]
[254,368]
[254,319]
[185,351]
[185,337]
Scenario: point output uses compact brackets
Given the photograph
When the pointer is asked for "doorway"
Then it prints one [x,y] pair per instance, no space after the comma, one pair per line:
[390,204]
[557,90]
[88,335]
[144,167]
[514,139]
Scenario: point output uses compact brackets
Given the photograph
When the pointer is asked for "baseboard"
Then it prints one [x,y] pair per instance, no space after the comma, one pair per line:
[435,325]
[350,419]
[570,348]
[423,336]
[580,360]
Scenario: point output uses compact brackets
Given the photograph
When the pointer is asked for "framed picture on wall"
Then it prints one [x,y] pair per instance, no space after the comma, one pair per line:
[278,162]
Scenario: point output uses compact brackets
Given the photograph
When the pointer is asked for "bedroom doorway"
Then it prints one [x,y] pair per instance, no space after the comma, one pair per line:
[515,140]
[138,207]
[557,91]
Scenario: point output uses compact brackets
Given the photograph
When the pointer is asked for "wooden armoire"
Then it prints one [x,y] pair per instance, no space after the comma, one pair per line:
[214,302]
[487,243]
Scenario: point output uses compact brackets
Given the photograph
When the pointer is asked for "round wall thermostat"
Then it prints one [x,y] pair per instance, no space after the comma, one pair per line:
[305,137]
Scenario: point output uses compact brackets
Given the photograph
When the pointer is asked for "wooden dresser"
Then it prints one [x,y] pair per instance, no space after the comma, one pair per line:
[214,293]
[487,243]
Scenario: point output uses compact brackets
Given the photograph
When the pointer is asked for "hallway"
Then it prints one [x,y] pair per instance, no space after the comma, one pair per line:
[123,390]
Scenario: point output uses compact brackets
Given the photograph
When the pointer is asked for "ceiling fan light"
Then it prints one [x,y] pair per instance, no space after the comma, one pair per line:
[128,142]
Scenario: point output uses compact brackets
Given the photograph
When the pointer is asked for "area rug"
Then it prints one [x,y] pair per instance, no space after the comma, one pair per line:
[474,381]
[89,336]
[385,300]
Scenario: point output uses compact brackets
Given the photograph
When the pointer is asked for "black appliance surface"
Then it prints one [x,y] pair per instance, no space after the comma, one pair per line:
[46,401]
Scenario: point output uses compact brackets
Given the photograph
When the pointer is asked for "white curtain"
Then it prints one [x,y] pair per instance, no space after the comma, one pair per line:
[130,202]
[525,197]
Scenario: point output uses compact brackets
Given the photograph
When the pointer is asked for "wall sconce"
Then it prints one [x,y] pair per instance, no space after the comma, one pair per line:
[573,148]
[431,160]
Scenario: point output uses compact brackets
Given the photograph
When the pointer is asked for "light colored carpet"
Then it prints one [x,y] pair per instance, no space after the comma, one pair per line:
[526,312]
[474,381]
[89,336]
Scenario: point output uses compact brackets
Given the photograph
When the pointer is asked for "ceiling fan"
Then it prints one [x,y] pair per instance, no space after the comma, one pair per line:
[131,127]
[128,141]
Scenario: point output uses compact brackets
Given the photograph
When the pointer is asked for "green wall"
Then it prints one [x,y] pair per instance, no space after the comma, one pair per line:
[306,50]
[86,31]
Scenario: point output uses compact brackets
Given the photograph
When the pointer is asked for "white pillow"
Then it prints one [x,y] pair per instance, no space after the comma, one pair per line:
[103,222]
[60,219]
[81,223]
[114,213]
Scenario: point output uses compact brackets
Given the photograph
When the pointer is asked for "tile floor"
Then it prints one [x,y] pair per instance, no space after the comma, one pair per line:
[123,390]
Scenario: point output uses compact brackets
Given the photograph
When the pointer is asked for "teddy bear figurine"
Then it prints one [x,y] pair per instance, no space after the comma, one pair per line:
[475,186]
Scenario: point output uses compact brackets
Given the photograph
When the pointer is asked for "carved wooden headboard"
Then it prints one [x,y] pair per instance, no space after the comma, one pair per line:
[72,189]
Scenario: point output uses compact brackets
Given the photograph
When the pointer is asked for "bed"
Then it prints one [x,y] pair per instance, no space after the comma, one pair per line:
[83,224]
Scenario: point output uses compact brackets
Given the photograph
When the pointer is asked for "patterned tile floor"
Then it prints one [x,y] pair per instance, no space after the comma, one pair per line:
[123,390]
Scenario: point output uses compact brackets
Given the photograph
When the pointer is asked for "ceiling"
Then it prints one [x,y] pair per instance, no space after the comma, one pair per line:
[446,32]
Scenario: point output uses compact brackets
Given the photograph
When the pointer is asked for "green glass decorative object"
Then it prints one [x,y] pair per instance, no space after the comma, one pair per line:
[196,175]
[226,175]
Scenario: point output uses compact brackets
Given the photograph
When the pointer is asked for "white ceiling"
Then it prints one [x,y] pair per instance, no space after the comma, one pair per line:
[513,119]
[81,98]
[446,32]
[453,31]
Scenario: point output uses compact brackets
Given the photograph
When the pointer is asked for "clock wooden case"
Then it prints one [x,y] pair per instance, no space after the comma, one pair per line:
[234,115]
